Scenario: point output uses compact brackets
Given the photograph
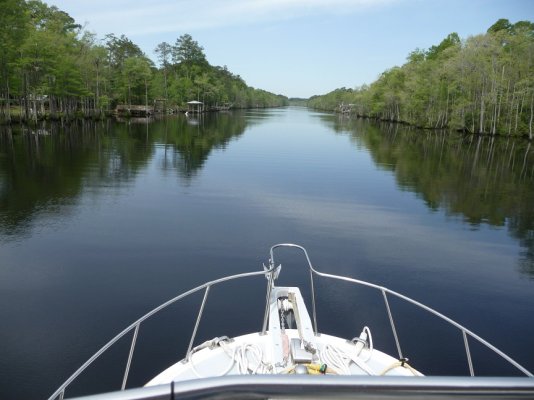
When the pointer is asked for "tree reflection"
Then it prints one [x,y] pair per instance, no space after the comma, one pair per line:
[46,169]
[189,141]
[481,179]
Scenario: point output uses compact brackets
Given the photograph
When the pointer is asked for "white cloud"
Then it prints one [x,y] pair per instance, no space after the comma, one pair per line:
[161,16]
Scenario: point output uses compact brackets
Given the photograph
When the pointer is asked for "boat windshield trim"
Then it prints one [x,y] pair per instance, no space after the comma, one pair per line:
[328,386]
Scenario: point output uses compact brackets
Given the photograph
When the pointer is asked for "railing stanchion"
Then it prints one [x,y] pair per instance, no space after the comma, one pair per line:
[198,322]
[267,303]
[62,394]
[129,363]
[468,353]
[313,304]
[392,324]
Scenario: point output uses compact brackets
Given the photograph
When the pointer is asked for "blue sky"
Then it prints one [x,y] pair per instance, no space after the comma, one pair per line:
[297,47]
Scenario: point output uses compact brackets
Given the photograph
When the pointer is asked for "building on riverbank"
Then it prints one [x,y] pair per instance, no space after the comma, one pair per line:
[195,106]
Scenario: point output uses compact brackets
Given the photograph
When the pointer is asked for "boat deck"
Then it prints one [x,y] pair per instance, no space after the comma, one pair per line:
[290,346]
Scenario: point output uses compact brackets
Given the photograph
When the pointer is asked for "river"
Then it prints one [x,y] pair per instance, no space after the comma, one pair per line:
[101,222]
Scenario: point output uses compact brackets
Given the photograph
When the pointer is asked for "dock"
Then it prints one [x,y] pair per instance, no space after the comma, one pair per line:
[124,110]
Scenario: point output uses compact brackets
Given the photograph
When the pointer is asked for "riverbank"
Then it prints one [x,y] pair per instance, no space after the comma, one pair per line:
[17,116]
[482,84]
[465,130]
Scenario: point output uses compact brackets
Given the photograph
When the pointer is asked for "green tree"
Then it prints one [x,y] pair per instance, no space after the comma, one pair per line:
[164,53]
[52,67]
[136,75]
[435,51]
[484,84]
[500,25]
[188,50]
[13,31]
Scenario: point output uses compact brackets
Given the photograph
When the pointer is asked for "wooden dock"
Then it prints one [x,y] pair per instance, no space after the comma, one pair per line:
[134,110]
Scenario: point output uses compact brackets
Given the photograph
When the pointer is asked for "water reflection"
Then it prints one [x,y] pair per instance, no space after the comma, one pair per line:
[480,179]
[189,141]
[109,231]
[46,168]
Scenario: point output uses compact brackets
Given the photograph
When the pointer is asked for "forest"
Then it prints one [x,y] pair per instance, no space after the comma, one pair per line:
[483,84]
[50,67]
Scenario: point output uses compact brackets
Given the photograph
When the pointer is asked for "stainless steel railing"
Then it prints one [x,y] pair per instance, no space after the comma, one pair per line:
[60,392]
[271,273]
[385,291]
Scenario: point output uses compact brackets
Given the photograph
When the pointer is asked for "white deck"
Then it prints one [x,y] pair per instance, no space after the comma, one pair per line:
[282,350]
[216,362]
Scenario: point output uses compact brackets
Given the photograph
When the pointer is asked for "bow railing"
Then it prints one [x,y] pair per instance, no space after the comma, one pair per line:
[271,272]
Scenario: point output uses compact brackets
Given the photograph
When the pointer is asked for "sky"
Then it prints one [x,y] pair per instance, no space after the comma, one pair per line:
[297,48]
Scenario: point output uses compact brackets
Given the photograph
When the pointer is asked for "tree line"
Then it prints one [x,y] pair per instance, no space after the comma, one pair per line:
[51,67]
[185,74]
[484,84]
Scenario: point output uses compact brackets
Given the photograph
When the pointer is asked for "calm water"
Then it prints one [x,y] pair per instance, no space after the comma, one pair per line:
[100,223]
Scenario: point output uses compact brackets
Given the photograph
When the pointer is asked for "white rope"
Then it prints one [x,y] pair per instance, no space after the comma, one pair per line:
[198,375]
[241,357]
[401,364]
[335,359]
[248,358]
[340,361]
[370,341]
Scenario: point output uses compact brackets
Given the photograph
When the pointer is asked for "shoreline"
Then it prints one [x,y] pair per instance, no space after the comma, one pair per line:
[464,130]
